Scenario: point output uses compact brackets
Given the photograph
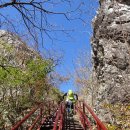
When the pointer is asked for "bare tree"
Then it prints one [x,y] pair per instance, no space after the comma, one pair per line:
[85,79]
[35,16]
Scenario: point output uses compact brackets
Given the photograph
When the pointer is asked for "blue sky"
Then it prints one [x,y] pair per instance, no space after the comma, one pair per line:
[80,41]
[69,47]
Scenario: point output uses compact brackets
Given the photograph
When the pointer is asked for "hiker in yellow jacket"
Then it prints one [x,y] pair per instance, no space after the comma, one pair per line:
[70,99]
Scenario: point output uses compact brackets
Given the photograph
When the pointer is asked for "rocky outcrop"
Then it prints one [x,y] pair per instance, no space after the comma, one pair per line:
[20,52]
[111,53]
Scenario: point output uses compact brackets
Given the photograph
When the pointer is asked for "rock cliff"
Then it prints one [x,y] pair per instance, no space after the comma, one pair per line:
[111,53]
[21,51]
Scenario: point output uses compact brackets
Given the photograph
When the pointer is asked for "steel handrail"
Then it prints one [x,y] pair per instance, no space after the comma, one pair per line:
[84,119]
[62,117]
[34,123]
[59,115]
[55,107]
[40,106]
[99,123]
[61,123]
[24,119]
[56,120]
[43,120]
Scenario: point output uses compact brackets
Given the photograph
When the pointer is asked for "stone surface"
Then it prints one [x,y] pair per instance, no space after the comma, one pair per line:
[111,53]
[21,51]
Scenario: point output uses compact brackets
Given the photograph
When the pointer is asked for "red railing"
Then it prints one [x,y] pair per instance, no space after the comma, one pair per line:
[61,124]
[39,116]
[18,124]
[84,119]
[100,125]
[42,122]
[59,117]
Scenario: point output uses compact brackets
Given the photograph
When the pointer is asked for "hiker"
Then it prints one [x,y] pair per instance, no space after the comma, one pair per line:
[70,99]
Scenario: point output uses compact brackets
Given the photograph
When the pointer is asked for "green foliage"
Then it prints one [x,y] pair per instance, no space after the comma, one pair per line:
[37,69]
[21,86]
